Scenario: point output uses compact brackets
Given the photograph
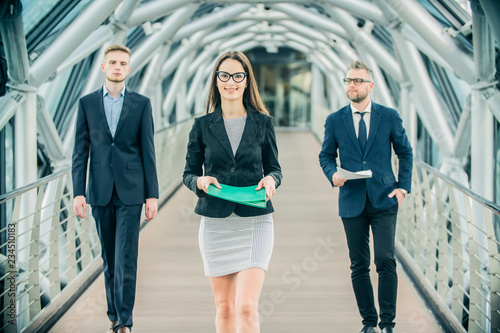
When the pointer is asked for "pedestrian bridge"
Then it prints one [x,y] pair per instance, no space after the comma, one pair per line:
[433,60]
[308,285]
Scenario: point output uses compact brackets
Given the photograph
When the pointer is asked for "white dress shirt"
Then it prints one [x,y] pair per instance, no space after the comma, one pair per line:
[357,117]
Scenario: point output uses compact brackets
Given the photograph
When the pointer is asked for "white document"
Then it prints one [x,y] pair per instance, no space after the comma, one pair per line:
[348,175]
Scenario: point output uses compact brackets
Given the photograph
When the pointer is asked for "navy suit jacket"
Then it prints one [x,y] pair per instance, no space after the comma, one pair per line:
[386,133]
[126,161]
[209,149]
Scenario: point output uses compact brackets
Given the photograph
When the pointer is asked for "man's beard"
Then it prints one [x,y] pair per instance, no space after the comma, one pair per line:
[357,98]
[114,79]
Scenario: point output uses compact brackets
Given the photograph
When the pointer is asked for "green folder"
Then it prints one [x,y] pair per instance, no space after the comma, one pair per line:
[242,195]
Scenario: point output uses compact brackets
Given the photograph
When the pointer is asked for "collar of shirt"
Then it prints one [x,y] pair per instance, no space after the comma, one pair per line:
[367,109]
[106,92]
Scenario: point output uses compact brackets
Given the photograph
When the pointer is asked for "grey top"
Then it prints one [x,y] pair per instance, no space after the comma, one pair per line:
[234,129]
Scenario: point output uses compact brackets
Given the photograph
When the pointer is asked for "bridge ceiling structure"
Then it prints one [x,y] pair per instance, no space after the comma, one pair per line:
[433,60]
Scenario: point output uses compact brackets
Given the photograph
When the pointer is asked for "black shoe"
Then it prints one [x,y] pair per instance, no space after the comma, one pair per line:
[388,329]
[369,329]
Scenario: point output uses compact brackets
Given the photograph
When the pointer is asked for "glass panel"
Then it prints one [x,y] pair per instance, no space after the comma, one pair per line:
[284,81]
[52,91]
[299,94]
[9,156]
[465,4]
[43,26]
[448,12]
[497,180]
[497,165]
[34,11]
[461,88]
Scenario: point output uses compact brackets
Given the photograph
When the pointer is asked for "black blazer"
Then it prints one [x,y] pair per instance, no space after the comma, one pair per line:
[209,148]
[126,161]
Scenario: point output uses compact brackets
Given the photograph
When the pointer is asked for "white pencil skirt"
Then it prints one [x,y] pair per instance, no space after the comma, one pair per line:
[232,244]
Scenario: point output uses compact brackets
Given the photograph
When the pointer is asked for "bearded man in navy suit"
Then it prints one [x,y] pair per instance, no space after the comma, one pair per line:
[363,134]
[114,127]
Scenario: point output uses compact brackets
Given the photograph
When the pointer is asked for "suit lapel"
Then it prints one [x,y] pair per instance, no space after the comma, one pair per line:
[127,102]
[252,128]
[374,122]
[349,124]
[219,130]
[100,110]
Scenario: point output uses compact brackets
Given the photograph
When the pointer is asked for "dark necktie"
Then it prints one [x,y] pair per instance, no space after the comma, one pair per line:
[362,132]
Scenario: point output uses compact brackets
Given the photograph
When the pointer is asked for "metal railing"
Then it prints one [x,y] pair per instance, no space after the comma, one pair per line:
[44,248]
[47,255]
[447,238]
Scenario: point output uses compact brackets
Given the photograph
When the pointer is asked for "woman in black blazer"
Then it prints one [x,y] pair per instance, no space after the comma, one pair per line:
[234,144]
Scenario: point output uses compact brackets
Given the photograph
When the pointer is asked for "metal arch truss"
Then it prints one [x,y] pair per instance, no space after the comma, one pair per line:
[330,37]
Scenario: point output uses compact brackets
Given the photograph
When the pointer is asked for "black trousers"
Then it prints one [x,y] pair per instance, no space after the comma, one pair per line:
[118,229]
[357,229]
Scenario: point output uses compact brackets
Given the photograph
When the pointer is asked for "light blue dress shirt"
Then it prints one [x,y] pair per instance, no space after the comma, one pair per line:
[112,108]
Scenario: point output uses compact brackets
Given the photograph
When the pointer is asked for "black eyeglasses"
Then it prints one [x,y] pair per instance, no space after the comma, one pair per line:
[357,82]
[225,76]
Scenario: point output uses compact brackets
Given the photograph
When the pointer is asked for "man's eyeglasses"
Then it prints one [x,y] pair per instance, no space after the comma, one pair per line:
[225,76]
[357,82]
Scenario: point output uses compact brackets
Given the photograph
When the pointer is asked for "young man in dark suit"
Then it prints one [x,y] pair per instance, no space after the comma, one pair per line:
[364,133]
[114,127]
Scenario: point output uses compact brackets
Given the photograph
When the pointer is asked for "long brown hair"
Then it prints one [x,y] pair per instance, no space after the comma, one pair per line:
[251,96]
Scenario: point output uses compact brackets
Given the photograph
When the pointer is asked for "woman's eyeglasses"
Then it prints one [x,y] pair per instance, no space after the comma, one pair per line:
[225,76]
[357,82]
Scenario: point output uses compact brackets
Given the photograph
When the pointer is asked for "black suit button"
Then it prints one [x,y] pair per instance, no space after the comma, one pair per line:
[113,144]
[364,162]
[233,169]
